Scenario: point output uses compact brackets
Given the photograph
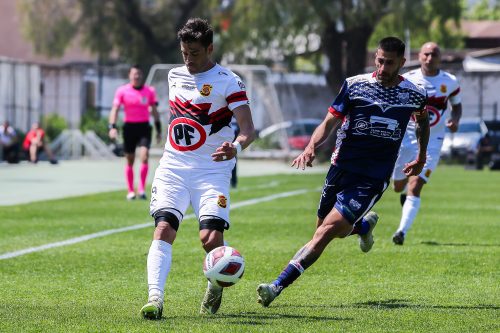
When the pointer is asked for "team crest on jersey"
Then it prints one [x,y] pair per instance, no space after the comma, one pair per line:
[428,173]
[222,201]
[443,88]
[354,204]
[144,100]
[206,90]
[404,97]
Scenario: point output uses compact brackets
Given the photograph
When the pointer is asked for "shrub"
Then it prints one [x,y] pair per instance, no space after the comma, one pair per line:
[53,124]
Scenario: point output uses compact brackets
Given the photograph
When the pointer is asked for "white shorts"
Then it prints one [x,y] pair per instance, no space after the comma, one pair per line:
[408,153]
[207,191]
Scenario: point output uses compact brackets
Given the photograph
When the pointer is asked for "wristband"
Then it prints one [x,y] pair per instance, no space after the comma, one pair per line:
[238,146]
[111,126]
[158,126]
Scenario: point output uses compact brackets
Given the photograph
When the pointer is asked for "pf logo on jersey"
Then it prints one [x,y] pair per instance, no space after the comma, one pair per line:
[186,134]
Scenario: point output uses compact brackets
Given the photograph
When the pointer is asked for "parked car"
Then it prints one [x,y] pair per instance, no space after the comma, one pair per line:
[466,141]
[295,134]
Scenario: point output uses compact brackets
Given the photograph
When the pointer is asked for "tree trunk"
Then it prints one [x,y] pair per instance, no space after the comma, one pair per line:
[332,47]
[356,49]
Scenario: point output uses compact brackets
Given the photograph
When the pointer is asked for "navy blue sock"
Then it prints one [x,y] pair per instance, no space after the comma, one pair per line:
[291,272]
[361,227]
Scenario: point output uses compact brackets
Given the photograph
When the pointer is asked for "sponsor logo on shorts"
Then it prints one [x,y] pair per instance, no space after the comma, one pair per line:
[428,172]
[222,201]
[206,90]
[354,204]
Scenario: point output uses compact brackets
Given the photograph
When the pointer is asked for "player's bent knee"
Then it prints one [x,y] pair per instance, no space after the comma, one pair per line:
[170,218]
[214,224]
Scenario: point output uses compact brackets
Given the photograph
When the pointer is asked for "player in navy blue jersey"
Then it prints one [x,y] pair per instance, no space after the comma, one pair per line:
[373,111]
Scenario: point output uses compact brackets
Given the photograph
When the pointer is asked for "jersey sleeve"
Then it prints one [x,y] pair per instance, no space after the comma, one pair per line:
[340,106]
[455,96]
[236,94]
[118,100]
[421,109]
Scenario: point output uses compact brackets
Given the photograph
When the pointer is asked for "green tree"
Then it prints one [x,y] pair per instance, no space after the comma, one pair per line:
[340,30]
[137,31]
[484,10]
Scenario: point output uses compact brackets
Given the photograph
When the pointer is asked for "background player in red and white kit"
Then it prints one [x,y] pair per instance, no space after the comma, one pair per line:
[441,87]
[198,158]
[137,100]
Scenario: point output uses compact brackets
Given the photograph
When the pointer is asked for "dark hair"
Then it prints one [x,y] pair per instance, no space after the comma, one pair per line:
[136,66]
[392,44]
[196,30]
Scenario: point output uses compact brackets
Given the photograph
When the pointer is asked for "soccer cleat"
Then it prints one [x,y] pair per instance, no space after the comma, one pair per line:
[130,196]
[212,300]
[398,238]
[366,241]
[153,309]
[143,196]
[267,293]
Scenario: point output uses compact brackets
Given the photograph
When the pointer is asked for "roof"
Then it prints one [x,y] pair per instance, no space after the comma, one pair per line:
[14,45]
[481,29]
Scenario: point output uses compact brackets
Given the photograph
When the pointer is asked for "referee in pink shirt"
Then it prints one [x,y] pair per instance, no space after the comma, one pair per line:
[137,100]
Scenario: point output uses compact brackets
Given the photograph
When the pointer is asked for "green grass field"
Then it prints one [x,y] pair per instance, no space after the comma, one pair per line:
[444,279]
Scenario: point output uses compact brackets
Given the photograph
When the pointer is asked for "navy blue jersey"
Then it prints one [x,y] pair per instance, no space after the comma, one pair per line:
[374,123]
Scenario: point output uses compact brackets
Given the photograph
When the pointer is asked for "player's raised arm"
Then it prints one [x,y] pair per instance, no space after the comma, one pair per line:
[319,135]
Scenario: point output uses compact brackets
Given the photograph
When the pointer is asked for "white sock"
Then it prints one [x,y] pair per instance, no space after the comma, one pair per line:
[159,262]
[410,210]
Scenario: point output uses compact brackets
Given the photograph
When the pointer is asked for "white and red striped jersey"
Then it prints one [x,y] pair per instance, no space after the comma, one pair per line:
[201,108]
[440,89]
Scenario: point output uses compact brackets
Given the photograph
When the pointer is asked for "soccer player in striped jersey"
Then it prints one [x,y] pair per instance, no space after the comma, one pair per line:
[442,89]
[198,159]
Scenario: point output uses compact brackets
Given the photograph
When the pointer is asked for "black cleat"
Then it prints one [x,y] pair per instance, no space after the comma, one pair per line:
[398,238]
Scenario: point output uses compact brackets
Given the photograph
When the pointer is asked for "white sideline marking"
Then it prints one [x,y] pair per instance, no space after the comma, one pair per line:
[80,239]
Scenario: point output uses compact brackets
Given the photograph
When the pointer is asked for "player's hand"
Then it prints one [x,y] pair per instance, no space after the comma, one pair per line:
[113,133]
[304,159]
[225,152]
[413,168]
[452,125]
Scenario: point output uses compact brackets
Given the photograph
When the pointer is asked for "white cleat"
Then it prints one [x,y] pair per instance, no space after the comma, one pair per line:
[366,241]
[266,293]
[212,300]
[130,196]
[153,308]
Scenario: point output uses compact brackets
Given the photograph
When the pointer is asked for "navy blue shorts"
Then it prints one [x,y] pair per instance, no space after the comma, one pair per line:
[353,195]
[136,135]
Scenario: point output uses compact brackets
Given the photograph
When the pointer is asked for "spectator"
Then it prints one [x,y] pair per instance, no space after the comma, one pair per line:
[9,143]
[35,143]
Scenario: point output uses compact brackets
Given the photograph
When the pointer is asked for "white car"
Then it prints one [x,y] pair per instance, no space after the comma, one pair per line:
[466,140]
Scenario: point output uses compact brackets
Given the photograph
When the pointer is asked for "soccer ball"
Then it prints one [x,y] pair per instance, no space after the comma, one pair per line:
[224,266]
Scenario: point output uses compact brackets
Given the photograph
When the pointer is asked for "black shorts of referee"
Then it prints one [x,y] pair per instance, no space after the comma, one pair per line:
[136,135]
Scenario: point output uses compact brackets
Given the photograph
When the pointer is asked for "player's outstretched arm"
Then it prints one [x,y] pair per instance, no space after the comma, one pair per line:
[321,133]
[229,150]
